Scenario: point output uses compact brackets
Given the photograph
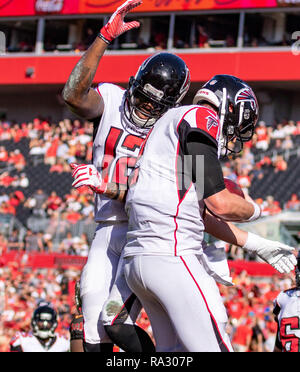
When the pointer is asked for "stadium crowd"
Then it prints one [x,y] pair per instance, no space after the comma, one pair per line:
[35,150]
[33,155]
[249,304]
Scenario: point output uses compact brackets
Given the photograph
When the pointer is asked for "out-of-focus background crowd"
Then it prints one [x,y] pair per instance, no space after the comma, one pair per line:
[41,215]
[46,227]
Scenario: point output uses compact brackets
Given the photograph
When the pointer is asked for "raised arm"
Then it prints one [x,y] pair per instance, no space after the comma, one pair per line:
[78,93]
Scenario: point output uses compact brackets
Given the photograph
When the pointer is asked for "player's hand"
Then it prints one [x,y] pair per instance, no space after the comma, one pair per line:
[116,25]
[278,255]
[87,175]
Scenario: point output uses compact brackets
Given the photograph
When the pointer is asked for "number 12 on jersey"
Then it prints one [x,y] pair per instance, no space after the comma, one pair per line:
[121,163]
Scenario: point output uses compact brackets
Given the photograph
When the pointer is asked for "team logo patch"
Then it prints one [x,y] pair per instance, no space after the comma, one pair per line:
[211,123]
[246,94]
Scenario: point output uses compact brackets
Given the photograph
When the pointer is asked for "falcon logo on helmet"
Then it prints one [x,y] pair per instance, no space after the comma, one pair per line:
[246,94]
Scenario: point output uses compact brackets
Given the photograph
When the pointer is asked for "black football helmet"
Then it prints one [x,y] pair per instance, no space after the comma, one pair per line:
[44,321]
[237,107]
[162,81]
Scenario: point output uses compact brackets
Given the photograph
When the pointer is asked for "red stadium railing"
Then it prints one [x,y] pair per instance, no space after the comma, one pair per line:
[56,260]
[248,65]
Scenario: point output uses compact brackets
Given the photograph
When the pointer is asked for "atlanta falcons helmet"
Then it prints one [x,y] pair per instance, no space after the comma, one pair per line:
[44,321]
[237,108]
[162,81]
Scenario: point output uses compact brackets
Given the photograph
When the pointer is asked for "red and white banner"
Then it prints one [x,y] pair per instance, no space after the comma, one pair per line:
[10,8]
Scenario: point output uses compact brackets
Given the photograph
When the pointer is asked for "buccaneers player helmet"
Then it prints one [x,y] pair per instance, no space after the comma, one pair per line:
[236,105]
[160,83]
[44,321]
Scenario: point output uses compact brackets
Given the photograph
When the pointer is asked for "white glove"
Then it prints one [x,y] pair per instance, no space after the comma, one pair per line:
[87,175]
[278,255]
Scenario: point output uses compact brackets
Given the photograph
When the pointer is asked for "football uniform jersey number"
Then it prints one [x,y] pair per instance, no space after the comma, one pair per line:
[289,340]
[121,163]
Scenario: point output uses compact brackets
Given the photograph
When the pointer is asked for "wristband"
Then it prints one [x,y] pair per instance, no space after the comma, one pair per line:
[103,38]
[257,212]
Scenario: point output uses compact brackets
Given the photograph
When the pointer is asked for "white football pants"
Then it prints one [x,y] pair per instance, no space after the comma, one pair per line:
[97,279]
[182,301]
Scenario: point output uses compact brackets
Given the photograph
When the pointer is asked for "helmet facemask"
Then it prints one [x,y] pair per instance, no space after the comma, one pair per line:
[147,101]
[160,84]
[238,127]
[237,108]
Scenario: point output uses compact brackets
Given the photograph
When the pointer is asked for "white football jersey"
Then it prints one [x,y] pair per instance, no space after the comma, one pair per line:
[28,343]
[287,309]
[164,207]
[115,149]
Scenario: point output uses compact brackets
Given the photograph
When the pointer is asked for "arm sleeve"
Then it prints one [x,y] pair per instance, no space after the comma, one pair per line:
[213,182]
[76,328]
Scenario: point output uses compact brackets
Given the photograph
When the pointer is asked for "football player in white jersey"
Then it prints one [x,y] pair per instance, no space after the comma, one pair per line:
[177,177]
[124,119]
[287,315]
[43,338]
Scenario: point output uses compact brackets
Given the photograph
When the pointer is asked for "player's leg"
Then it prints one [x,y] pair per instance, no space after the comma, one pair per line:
[162,328]
[191,299]
[208,314]
[95,284]
[119,315]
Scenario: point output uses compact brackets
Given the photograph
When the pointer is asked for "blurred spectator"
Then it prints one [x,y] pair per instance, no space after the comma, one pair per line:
[33,242]
[81,245]
[262,139]
[3,155]
[244,180]
[242,337]
[280,164]
[258,338]
[294,203]
[47,242]
[7,180]
[66,245]
[23,181]
[53,203]
[202,37]
[17,159]
[230,41]
[287,143]
[271,207]
[279,132]
[7,209]
[36,203]
[13,242]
